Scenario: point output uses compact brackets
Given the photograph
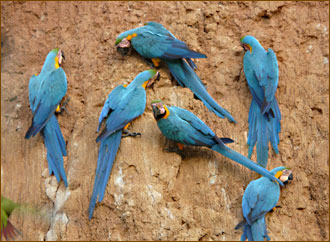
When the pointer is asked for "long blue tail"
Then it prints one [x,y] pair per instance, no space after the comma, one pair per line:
[233,155]
[262,129]
[55,145]
[186,77]
[107,154]
[255,232]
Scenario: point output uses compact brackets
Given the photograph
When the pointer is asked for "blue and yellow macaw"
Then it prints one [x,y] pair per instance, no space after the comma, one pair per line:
[46,91]
[185,128]
[261,72]
[259,198]
[153,41]
[124,104]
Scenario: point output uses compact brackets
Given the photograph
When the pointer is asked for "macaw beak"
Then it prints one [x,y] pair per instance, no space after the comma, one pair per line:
[155,111]
[158,110]
[246,47]
[61,57]
[155,78]
[286,177]
[124,47]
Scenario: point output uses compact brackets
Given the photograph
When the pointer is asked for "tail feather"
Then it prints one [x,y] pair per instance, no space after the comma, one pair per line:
[9,231]
[259,230]
[263,136]
[262,130]
[191,63]
[235,156]
[59,135]
[186,76]
[51,162]
[240,224]
[107,153]
[54,151]
[247,233]
[33,130]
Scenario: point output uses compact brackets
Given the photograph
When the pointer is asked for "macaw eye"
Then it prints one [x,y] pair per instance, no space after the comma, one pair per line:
[245,47]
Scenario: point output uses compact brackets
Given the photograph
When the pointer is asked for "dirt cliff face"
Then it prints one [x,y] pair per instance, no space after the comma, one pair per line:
[151,194]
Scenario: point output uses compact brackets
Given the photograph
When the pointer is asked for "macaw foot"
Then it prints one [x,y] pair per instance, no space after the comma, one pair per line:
[126,133]
[156,62]
[178,150]
[61,108]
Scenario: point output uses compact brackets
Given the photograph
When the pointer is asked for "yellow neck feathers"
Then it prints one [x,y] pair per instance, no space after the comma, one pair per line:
[167,112]
[131,36]
[144,85]
[57,65]
[278,174]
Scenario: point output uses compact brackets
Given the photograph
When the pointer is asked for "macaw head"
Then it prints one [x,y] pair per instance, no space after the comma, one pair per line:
[53,60]
[145,78]
[59,56]
[123,41]
[159,110]
[283,173]
[249,43]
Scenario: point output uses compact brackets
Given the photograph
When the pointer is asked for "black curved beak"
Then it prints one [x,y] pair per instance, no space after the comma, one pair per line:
[155,111]
[153,80]
[62,54]
[290,178]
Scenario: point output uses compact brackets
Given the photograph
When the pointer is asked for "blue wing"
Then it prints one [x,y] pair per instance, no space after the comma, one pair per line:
[160,43]
[111,103]
[193,120]
[51,133]
[262,76]
[33,89]
[51,91]
[164,31]
[259,198]
[261,70]
[130,107]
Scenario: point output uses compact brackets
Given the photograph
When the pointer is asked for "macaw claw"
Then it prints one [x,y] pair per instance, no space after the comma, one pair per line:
[156,62]
[126,133]
[61,108]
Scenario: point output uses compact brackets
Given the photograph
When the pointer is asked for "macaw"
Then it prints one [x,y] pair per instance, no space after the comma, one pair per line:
[124,104]
[185,128]
[46,91]
[261,72]
[259,198]
[153,41]
[7,229]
